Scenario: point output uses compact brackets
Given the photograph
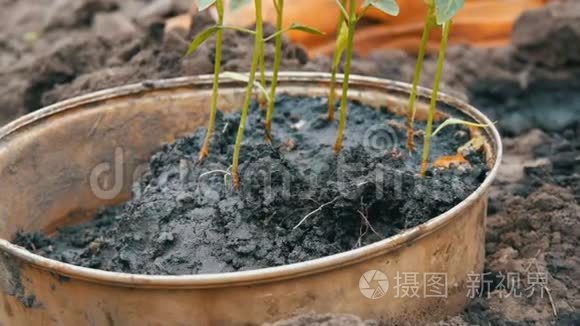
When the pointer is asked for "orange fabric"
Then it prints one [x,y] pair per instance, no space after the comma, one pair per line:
[480,22]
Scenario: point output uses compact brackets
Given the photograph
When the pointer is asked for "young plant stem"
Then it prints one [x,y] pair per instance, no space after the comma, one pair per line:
[434,96]
[277,62]
[429,24]
[332,92]
[344,100]
[259,39]
[262,63]
[204,152]
[336,58]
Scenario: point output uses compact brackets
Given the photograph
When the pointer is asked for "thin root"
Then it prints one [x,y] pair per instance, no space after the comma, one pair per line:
[362,234]
[213,172]
[314,212]
[368,224]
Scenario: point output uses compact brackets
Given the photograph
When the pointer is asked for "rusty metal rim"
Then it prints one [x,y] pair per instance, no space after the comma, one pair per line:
[260,275]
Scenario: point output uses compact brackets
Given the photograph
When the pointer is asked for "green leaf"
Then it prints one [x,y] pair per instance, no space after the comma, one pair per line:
[202,37]
[387,6]
[446,9]
[204,4]
[454,121]
[341,43]
[237,4]
[304,28]
[244,78]
[295,27]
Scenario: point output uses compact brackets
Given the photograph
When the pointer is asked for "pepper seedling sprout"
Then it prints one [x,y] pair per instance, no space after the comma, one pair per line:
[262,64]
[257,60]
[277,62]
[194,45]
[444,12]
[340,46]
[430,22]
[279,5]
[258,42]
[202,37]
[440,12]
[351,18]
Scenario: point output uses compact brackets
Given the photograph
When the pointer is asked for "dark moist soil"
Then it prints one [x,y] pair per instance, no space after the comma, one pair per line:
[188,221]
[53,50]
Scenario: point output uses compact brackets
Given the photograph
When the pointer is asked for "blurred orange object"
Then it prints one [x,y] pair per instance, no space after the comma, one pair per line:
[481,23]
[449,161]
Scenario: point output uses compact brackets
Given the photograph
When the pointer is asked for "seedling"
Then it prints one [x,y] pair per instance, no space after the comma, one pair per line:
[202,5]
[262,64]
[203,36]
[430,22]
[257,60]
[277,61]
[279,5]
[258,43]
[444,11]
[440,12]
[340,46]
[351,19]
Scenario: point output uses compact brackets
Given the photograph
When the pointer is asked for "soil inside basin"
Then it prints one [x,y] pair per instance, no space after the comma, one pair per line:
[185,218]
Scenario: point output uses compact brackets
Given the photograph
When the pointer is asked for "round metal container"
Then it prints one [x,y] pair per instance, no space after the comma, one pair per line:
[48,161]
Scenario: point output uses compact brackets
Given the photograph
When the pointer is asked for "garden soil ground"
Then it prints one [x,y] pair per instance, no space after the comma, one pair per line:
[52,50]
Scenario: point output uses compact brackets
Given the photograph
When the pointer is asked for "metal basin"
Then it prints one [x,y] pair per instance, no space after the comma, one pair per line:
[48,161]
